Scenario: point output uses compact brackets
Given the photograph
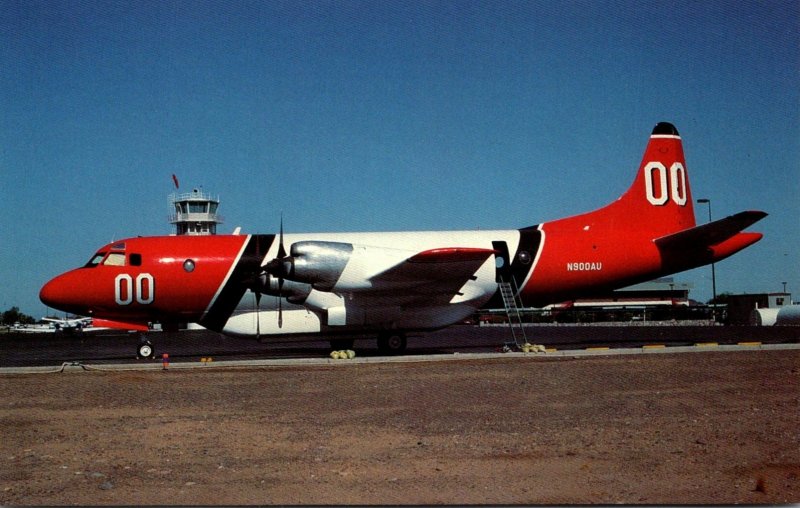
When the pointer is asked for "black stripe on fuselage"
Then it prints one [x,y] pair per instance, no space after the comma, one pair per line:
[243,276]
[530,241]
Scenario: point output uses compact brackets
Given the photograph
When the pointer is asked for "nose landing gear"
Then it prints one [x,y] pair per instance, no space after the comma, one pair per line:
[145,350]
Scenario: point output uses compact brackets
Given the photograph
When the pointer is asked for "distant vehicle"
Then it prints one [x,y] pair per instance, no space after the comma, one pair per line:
[355,285]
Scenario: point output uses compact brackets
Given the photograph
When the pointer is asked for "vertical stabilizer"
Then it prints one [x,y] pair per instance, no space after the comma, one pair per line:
[659,201]
[614,246]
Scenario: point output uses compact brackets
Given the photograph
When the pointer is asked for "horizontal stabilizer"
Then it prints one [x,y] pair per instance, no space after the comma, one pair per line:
[710,234]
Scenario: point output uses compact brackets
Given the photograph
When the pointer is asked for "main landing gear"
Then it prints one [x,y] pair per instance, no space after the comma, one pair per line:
[391,343]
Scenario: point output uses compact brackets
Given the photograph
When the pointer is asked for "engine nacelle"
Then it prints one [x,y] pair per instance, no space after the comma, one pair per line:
[294,292]
[319,264]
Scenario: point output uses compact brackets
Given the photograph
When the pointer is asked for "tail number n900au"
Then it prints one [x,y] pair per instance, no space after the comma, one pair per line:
[655,175]
[126,291]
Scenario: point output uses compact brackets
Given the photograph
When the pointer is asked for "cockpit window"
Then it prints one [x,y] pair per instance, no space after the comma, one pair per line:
[95,260]
[118,246]
[115,259]
[135,259]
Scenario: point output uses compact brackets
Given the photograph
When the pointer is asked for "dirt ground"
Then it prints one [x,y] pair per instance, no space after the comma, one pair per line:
[716,427]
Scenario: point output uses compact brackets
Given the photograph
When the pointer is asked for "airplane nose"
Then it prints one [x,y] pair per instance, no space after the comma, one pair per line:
[59,294]
[51,293]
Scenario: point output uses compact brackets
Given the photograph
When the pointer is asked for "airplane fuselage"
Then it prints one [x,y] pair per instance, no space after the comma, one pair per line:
[351,284]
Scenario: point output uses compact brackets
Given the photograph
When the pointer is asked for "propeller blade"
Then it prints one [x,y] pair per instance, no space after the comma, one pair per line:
[281,255]
[258,317]
[280,303]
[281,249]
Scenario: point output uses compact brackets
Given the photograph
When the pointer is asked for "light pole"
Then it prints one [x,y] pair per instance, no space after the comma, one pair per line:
[713,271]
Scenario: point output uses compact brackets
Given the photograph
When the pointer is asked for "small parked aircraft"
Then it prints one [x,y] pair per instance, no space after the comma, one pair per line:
[344,286]
[68,325]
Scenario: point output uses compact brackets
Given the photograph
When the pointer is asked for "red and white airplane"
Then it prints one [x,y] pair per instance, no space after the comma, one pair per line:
[352,285]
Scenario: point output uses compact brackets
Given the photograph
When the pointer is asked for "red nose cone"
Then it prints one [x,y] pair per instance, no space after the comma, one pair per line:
[59,293]
[49,293]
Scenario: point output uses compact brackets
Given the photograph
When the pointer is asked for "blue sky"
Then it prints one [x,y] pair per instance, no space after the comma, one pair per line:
[374,116]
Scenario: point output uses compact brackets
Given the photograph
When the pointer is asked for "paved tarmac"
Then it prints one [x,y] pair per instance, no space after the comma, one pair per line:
[588,424]
[98,348]
[652,428]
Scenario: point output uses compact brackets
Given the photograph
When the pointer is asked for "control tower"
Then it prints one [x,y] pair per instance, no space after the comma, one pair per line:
[194,213]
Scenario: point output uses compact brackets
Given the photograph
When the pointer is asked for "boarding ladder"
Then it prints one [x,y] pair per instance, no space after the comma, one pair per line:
[508,292]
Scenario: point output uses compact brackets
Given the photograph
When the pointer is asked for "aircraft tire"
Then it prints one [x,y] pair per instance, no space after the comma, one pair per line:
[145,350]
[392,343]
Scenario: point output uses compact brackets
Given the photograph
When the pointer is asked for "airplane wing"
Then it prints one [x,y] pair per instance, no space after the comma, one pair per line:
[370,276]
[363,284]
[437,271]
[431,279]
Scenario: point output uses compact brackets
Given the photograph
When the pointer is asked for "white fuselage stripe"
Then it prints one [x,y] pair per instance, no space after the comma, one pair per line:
[228,276]
[536,258]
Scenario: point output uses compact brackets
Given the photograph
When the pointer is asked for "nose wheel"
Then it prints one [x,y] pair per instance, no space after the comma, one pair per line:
[145,350]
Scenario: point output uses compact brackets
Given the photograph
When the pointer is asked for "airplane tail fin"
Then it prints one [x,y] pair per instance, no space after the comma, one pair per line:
[659,201]
[649,231]
[658,207]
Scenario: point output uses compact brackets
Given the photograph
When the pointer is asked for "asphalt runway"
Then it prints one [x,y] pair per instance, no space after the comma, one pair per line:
[53,349]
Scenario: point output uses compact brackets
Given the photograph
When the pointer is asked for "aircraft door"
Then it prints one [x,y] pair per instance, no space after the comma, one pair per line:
[502,262]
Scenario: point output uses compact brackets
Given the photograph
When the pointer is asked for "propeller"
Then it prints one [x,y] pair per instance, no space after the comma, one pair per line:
[260,279]
[256,288]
